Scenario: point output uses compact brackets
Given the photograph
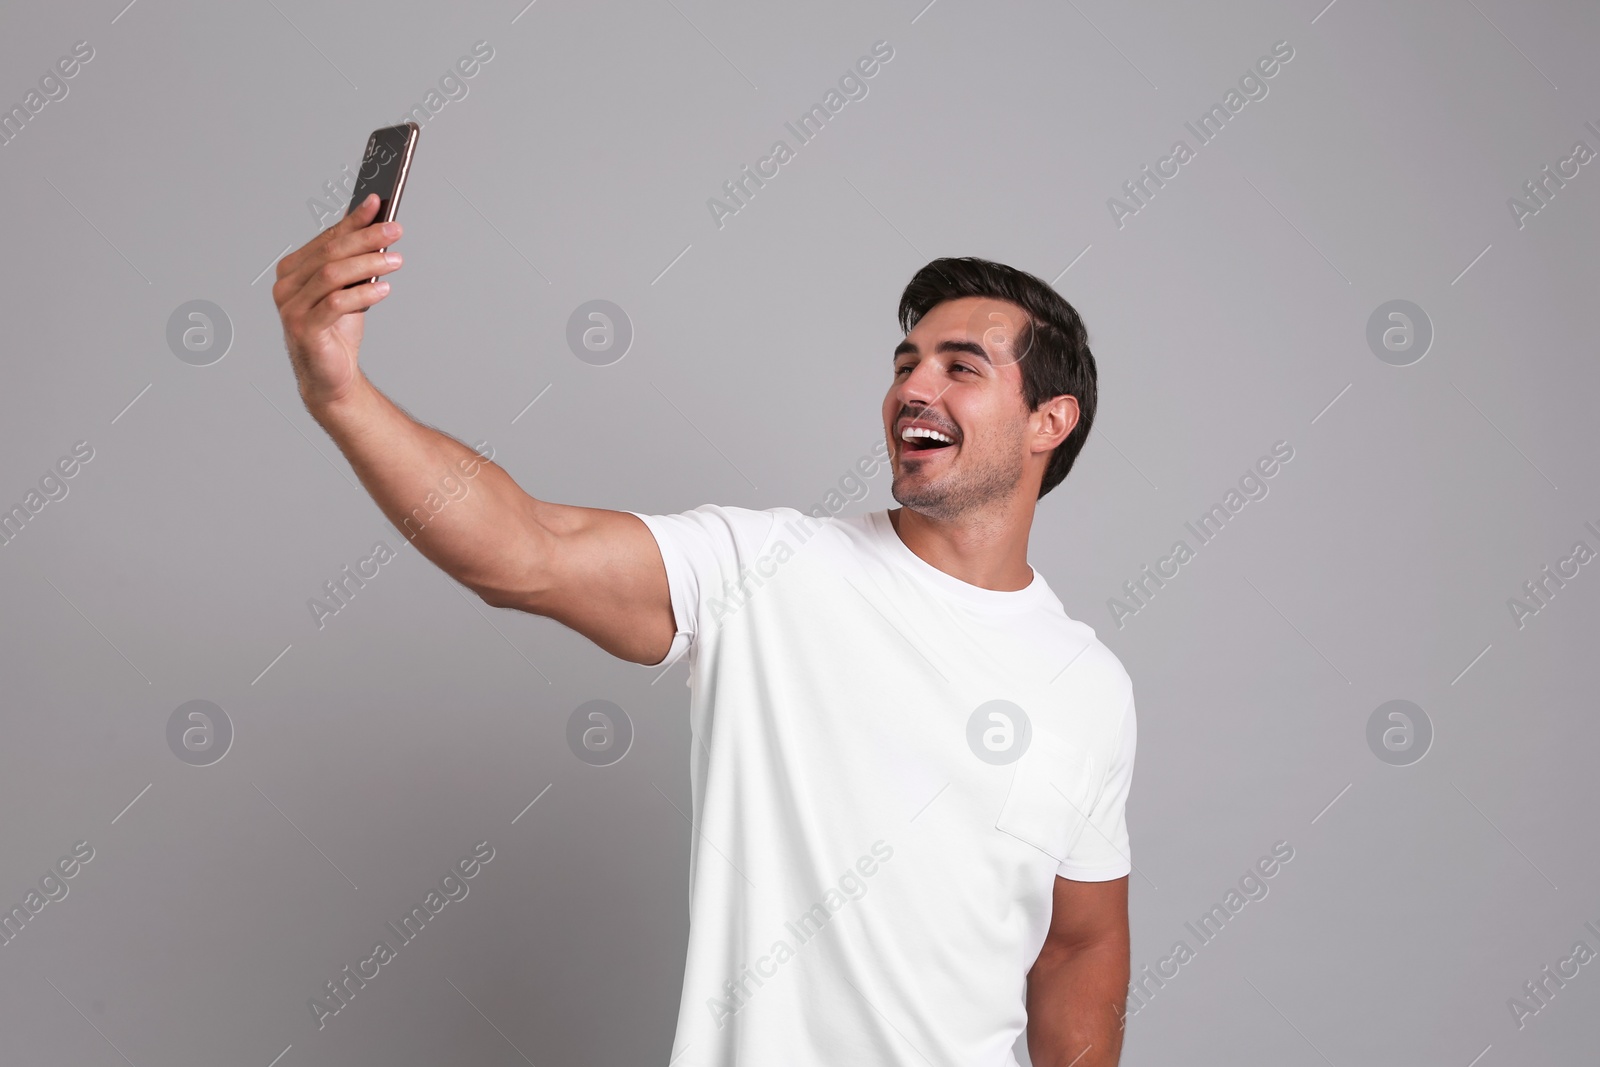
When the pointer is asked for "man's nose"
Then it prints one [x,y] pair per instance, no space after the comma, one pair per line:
[921,387]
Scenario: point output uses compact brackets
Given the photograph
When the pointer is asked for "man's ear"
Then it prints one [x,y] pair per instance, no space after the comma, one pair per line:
[1054,421]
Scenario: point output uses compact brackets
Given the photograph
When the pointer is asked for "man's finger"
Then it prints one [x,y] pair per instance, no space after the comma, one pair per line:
[339,303]
[343,250]
[364,213]
[367,239]
[339,246]
[335,274]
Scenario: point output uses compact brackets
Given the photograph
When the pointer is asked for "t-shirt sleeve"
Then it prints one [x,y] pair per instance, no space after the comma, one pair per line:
[1101,852]
[704,551]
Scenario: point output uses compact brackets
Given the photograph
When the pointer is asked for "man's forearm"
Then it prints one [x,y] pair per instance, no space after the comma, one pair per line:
[460,510]
[1075,1003]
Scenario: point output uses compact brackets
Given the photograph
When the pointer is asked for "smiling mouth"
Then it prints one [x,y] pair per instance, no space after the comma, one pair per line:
[917,441]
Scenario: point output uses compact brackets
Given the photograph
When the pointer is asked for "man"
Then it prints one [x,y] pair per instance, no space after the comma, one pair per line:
[910,766]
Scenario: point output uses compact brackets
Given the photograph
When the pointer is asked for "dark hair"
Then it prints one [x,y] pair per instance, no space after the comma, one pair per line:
[1056,345]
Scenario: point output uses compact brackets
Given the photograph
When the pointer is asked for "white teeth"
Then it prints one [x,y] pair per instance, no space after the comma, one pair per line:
[917,431]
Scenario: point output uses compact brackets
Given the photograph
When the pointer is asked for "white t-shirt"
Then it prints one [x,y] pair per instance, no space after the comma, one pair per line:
[870,882]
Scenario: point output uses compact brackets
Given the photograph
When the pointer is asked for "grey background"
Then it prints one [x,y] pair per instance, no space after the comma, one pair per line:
[1228,314]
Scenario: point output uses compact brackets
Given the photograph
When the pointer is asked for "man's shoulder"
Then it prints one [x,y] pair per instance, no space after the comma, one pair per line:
[790,524]
[1073,633]
[728,519]
[733,529]
[739,515]
[1092,676]
[1114,677]
[1096,654]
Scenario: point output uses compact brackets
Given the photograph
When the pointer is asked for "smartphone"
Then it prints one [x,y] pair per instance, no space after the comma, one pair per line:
[384,167]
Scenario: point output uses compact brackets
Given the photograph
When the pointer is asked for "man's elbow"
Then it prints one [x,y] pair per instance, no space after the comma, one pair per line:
[1109,948]
[514,580]
[504,595]
[495,598]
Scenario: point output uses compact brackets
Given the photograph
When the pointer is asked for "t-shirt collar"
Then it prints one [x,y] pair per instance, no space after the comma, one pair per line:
[1035,594]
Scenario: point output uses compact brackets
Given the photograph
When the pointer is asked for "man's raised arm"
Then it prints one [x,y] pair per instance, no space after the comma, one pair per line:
[596,571]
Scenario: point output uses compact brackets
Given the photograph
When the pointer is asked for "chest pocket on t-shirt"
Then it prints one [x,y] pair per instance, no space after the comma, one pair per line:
[1053,789]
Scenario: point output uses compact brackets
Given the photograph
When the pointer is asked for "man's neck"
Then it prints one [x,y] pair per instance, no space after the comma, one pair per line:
[989,551]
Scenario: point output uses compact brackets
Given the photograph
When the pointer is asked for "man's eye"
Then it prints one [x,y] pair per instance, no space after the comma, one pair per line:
[961,366]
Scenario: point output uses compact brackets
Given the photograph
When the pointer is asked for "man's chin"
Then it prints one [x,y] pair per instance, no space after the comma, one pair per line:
[918,493]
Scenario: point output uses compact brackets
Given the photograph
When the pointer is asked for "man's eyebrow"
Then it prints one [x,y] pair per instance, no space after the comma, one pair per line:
[908,347]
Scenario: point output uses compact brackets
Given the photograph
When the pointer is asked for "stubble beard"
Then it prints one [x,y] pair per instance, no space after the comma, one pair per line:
[986,480]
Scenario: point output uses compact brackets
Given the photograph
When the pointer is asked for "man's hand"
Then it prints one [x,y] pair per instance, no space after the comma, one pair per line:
[319,328]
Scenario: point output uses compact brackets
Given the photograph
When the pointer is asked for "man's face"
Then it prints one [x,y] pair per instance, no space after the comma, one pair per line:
[958,372]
